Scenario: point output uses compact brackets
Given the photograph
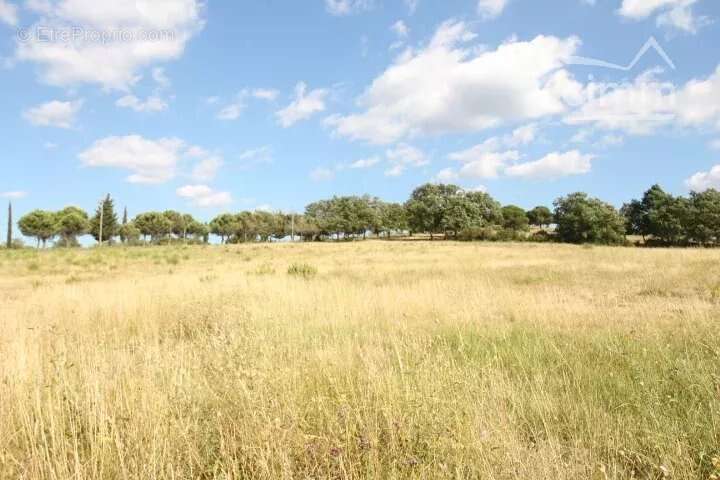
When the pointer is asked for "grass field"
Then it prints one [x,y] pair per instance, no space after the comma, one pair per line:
[360,360]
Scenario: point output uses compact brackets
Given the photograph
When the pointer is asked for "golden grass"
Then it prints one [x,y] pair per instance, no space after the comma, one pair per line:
[363,360]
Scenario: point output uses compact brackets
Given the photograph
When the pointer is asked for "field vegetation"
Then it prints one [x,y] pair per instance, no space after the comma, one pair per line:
[360,360]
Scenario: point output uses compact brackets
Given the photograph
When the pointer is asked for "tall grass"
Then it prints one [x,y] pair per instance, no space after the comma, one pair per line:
[391,361]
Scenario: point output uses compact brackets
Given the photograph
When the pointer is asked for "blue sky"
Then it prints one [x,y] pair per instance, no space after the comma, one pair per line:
[228,106]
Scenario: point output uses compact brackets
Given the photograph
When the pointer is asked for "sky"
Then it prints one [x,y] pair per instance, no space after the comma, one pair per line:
[215,106]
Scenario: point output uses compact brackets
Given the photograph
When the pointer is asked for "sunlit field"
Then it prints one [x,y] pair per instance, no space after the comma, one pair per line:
[360,360]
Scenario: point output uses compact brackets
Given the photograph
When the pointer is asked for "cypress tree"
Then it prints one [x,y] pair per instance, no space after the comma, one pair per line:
[124,222]
[9,226]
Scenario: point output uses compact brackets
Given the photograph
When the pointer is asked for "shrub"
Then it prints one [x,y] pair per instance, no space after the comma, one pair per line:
[302,270]
[477,234]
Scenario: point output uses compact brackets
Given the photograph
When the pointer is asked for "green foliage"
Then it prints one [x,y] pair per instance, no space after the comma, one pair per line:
[39,224]
[581,219]
[443,209]
[130,233]
[8,241]
[154,225]
[72,222]
[110,226]
[540,216]
[702,222]
[302,270]
[224,226]
[658,215]
[515,218]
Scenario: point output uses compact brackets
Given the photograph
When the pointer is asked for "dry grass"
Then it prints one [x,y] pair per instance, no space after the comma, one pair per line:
[368,360]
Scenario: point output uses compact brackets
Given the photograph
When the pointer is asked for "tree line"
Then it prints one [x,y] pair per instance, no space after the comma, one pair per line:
[438,210]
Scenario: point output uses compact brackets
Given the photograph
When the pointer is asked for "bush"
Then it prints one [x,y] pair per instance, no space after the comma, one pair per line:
[302,270]
[478,234]
[541,236]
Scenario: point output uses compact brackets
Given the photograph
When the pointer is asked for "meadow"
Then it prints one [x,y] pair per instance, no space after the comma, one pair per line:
[360,360]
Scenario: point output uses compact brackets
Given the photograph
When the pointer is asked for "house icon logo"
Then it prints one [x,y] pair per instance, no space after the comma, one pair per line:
[652,43]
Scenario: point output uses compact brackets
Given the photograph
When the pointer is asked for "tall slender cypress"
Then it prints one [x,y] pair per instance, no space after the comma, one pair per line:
[9,226]
[124,222]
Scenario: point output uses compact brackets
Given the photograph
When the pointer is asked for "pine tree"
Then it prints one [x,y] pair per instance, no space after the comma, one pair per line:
[110,227]
[9,227]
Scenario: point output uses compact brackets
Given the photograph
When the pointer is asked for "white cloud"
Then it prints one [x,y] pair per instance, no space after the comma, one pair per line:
[450,86]
[400,29]
[446,175]
[322,174]
[714,144]
[347,7]
[701,181]
[265,94]
[150,104]
[489,9]
[204,197]
[54,114]
[365,163]
[411,5]
[8,13]
[402,157]
[480,164]
[257,155]
[305,105]
[153,31]
[13,195]
[671,13]
[151,161]
[207,169]
[232,111]
[553,165]
[161,78]
[648,104]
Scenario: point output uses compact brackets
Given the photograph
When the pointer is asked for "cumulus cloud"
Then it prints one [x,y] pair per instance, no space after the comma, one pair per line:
[702,181]
[150,161]
[347,7]
[446,175]
[453,86]
[643,106]
[54,114]
[150,104]
[670,13]
[305,105]
[480,164]
[402,157]
[553,165]
[204,197]
[489,9]
[8,13]
[153,31]
[207,168]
